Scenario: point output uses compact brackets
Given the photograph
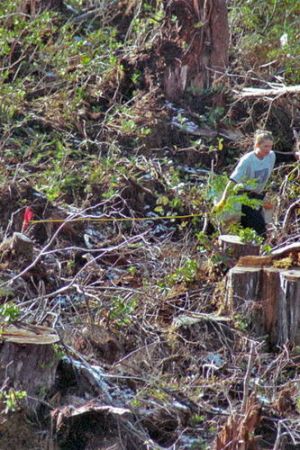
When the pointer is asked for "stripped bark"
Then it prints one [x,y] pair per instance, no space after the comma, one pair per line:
[203,28]
[276,91]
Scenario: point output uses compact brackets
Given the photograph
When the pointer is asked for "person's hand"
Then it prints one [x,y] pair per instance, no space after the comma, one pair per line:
[218,208]
[297,156]
[238,187]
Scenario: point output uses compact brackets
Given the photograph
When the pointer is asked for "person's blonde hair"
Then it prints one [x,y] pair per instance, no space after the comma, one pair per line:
[262,135]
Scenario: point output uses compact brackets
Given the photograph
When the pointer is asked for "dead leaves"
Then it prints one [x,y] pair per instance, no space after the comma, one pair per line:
[285,403]
[238,432]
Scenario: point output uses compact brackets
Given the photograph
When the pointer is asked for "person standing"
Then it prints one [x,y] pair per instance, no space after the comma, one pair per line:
[252,172]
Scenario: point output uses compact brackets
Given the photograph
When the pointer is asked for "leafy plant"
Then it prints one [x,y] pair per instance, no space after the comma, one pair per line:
[197,419]
[187,273]
[9,313]
[267,32]
[121,310]
[12,399]
[248,235]
[58,350]
[241,322]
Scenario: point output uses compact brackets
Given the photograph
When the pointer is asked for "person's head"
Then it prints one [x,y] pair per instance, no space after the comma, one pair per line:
[263,143]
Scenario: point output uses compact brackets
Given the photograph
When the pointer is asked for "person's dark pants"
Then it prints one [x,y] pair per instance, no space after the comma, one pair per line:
[253,218]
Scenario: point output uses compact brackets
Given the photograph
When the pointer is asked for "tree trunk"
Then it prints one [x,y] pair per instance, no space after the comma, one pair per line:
[197,51]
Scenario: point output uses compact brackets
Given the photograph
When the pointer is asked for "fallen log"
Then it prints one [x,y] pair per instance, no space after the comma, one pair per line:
[287,250]
[273,92]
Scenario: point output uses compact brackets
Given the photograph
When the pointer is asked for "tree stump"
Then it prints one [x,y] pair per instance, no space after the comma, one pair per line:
[269,302]
[243,285]
[234,247]
[289,307]
[28,361]
[277,295]
[19,245]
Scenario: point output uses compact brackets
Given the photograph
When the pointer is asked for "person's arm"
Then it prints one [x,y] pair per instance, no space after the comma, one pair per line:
[236,177]
[221,203]
[226,190]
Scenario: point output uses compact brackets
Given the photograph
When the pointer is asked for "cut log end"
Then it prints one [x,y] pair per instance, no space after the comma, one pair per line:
[234,247]
[276,292]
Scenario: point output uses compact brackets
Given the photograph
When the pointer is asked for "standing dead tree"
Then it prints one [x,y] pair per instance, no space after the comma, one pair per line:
[196,48]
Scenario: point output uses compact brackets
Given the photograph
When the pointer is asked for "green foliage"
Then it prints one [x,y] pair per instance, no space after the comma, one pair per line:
[197,419]
[268,31]
[186,273]
[266,249]
[167,206]
[205,243]
[12,97]
[214,115]
[12,399]
[145,25]
[132,270]
[121,310]
[9,313]
[127,121]
[235,199]
[248,235]
[292,184]
[58,351]
[215,187]
[62,176]
[241,322]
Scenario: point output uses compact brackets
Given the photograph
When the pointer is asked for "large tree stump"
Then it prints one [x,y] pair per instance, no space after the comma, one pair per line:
[269,303]
[234,247]
[277,295]
[289,307]
[28,361]
[243,285]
